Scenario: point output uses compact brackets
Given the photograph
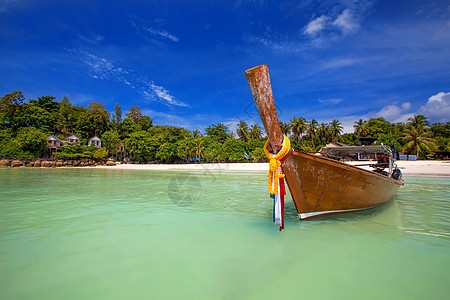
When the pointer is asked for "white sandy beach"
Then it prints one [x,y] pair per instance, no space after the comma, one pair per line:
[417,168]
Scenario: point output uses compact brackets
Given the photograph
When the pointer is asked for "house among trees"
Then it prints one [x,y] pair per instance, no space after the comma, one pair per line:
[53,142]
[96,141]
[73,139]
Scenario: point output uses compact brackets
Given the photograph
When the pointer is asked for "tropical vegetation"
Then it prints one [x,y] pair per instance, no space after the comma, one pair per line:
[25,125]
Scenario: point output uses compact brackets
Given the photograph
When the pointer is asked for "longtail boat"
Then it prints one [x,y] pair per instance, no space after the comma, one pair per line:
[323,184]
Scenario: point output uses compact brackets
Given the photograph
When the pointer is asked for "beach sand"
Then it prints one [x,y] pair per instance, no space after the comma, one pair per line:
[417,168]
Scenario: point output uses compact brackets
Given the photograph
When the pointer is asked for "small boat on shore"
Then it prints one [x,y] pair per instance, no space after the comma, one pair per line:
[323,184]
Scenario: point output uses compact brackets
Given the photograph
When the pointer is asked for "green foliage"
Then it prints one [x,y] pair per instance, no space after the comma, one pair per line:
[258,154]
[242,131]
[27,142]
[361,128]
[233,150]
[98,117]
[298,127]
[32,115]
[379,126]
[255,132]
[308,146]
[110,140]
[75,151]
[143,146]
[390,139]
[100,153]
[418,142]
[32,141]
[441,130]
[63,120]
[350,139]
[117,116]
[10,106]
[24,127]
[186,148]
[218,132]
[83,124]
[335,129]
[213,151]
[285,128]
[168,152]
[255,144]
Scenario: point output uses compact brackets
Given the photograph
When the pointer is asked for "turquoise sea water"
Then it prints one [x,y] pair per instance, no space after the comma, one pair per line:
[122,234]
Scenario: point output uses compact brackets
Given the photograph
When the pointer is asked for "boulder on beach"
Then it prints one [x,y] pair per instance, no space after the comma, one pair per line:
[110,163]
[29,164]
[59,164]
[16,163]
[37,164]
[46,164]
[4,163]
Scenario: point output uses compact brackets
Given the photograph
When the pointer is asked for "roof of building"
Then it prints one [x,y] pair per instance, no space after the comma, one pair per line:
[52,137]
[95,138]
[73,137]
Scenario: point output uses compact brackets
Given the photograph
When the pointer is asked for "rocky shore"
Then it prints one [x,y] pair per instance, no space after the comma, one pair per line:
[39,163]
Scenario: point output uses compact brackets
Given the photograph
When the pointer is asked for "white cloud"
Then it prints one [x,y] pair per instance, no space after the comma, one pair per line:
[437,109]
[332,26]
[143,29]
[101,68]
[338,63]
[333,101]
[169,119]
[316,25]
[165,96]
[347,22]
[394,113]
[162,33]
[91,39]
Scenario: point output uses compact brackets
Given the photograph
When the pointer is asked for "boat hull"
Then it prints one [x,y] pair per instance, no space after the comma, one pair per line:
[321,186]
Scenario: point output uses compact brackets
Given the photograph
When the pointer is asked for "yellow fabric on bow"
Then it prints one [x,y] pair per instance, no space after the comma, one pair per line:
[275,164]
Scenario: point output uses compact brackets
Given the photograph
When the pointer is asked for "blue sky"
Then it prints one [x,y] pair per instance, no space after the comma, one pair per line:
[183,62]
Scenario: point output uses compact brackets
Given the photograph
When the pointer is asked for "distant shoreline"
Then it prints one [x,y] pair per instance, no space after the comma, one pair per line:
[416,168]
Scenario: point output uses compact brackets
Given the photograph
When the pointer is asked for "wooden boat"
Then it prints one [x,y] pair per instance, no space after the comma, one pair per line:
[322,185]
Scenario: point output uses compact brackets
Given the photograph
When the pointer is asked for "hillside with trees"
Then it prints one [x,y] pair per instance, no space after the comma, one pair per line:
[25,126]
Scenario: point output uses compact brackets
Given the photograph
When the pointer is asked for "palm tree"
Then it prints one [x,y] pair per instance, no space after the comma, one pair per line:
[196,133]
[418,141]
[361,127]
[242,131]
[231,136]
[298,127]
[419,122]
[336,129]
[255,132]
[199,148]
[285,128]
[324,131]
[312,129]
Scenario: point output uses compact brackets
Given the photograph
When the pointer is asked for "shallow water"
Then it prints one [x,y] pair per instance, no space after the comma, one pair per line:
[123,234]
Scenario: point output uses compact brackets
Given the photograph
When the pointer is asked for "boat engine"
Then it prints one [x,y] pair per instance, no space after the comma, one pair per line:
[396,174]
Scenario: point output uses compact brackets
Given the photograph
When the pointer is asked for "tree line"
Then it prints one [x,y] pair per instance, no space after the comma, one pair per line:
[417,136]
[25,125]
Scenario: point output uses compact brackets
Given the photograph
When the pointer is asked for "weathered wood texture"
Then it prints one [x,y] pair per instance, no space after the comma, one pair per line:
[318,184]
